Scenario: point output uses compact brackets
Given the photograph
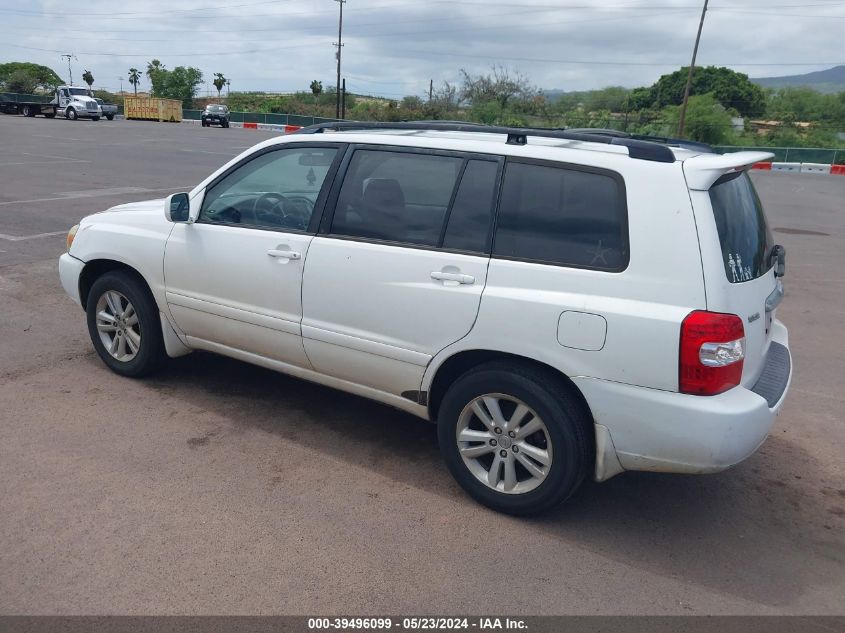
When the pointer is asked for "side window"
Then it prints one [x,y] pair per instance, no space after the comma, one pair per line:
[276,190]
[468,228]
[562,216]
[396,196]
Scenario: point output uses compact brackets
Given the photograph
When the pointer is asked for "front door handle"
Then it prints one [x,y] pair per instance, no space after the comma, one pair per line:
[283,254]
[459,278]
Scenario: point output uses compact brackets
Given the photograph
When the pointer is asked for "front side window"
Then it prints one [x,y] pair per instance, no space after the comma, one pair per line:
[396,196]
[744,234]
[277,190]
[562,216]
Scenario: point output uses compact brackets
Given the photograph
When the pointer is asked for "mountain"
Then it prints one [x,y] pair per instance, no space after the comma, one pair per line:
[830,80]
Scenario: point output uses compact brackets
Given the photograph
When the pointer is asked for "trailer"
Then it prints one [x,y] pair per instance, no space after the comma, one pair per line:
[74,102]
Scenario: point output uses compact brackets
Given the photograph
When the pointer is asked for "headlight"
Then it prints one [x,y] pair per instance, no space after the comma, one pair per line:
[71,234]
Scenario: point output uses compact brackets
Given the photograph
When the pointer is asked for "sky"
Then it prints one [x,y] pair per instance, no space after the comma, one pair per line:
[393,48]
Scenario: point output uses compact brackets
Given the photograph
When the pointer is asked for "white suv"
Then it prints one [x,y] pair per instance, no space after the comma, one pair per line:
[562,304]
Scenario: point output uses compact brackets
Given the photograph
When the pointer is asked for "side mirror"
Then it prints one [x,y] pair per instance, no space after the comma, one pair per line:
[177,207]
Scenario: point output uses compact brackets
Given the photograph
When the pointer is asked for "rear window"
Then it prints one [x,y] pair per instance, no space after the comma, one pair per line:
[744,234]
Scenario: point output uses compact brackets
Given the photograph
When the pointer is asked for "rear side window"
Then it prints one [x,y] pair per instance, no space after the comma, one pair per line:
[744,234]
[562,216]
[468,227]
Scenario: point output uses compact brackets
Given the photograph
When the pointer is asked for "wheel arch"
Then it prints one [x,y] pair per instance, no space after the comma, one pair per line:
[461,362]
[96,268]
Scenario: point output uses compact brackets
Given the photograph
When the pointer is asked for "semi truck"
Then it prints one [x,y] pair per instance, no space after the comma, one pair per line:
[72,102]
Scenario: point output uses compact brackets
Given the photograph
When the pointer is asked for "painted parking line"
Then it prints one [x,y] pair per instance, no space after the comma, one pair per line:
[95,193]
[23,238]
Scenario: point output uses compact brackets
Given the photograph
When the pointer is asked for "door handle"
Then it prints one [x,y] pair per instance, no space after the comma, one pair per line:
[283,254]
[454,277]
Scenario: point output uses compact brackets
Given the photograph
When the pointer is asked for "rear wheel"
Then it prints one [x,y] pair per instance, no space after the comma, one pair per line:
[28,110]
[514,437]
[225,124]
[50,115]
[124,325]
[95,118]
[70,113]
[110,117]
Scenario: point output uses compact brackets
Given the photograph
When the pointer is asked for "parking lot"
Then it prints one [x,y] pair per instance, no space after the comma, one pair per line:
[221,488]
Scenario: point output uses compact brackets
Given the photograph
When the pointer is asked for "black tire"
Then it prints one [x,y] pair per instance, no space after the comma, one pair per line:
[70,114]
[204,124]
[150,354]
[50,115]
[95,118]
[225,124]
[28,111]
[110,117]
[568,424]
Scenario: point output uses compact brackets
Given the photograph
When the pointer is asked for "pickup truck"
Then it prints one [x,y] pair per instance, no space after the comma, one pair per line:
[109,109]
[73,102]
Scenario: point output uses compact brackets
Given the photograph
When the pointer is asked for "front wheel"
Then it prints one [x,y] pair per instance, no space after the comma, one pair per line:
[110,117]
[124,325]
[514,437]
[225,124]
[70,114]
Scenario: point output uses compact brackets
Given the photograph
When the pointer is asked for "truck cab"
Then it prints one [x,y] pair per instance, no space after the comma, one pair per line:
[76,102]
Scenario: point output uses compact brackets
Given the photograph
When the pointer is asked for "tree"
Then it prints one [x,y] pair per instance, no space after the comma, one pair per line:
[219,82]
[316,89]
[181,83]
[707,120]
[27,78]
[732,89]
[88,78]
[156,73]
[501,85]
[134,78]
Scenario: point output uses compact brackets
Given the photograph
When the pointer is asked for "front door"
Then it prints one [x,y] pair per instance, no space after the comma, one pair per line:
[397,273]
[234,277]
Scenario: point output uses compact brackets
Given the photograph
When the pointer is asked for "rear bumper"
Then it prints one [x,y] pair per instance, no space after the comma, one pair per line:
[665,431]
[70,269]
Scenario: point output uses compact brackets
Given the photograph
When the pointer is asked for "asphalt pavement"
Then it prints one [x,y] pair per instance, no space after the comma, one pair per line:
[221,488]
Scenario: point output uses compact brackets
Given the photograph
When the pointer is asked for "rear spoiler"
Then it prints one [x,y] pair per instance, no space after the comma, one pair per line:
[703,170]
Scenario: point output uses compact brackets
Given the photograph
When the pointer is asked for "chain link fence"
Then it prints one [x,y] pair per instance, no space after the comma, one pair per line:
[264,118]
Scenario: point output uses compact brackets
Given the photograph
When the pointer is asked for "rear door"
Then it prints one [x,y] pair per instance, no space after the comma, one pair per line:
[397,272]
[737,251]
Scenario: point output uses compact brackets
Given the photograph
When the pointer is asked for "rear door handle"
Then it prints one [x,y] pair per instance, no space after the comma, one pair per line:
[283,254]
[453,277]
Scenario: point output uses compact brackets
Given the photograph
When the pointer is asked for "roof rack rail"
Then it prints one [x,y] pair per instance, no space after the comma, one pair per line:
[663,140]
[640,149]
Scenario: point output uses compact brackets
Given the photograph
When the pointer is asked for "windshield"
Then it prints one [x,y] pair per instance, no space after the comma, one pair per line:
[217,108]
[100,101]
[79,92]
[743,231]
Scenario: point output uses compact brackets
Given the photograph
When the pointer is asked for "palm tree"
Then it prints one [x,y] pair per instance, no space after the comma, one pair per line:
[316,88]
[134,78]
[88,78]
[219,82]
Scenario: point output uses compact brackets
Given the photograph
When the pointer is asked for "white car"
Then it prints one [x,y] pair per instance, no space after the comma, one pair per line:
[561,304]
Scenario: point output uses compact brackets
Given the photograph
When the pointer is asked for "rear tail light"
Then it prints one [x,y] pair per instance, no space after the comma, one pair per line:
[712,353]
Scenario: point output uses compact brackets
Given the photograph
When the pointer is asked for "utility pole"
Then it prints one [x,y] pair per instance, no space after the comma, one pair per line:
[430,89]
[339,45]
[683,116]
[343,100]
[69,71]
[121,84]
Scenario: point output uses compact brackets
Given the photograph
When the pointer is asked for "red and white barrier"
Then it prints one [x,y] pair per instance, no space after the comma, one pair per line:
[803,168]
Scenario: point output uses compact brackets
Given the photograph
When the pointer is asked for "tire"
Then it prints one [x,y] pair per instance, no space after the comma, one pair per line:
[204,124]
[70,114]
[27,111]
[50,115]
[109,296]
[225,124]
[95,118]
[110,117]
[562,439]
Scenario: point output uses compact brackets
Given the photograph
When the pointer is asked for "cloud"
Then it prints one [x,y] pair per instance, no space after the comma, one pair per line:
[394,47]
